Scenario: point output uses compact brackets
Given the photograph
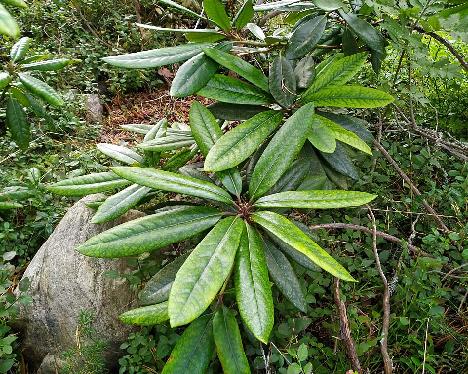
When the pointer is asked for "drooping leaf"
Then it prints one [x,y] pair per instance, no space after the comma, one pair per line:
[349,97]
[116,205]
[228,343]
[194,349]
[5,79]
[290,234]
[19,96]
[282,81]
[305,71]
[17,123]
[305,37]
[244,15]
[283,275]
[234,91]
[215,11]
[157,289]
[315,199]
[41,89]
[204,272]
[341,162]
[253,290]
[206,132]
[88,184]
[20,48]
[169,181]
[369,35]
[337,73]
[256,30]
[146,316]
[167,143]
[120,153]
[239,143]
[156,57]
[8,25]
[193,75]
[343,135]
[281,151]
[50,65]
[151,232]
[239,66]
[235,112]
[321,136]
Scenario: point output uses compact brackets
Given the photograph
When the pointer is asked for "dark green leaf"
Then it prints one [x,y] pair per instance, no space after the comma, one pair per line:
[215,11]
[349,43]
[341,162]
[194,349]
[239,143]
[235,112]
[146,316]
[282,81]
[228,342]
[305,37]
[294,176]
[281,151]
[284,277]
[239,66]
[50,65]
[232,90]
[151,232]
[169,181]
[290,234]
[253,290]
[157,289]
[204,272]
[18,123]
[193,75]
[328,5]
[244,15]
[356,125]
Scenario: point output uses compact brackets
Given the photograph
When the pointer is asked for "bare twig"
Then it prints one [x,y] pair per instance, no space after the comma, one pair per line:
[345,331]
[446,43]
[380,234]
[388,367]
[415,190]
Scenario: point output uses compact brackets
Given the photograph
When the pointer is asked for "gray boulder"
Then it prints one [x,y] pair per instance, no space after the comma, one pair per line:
[64,283]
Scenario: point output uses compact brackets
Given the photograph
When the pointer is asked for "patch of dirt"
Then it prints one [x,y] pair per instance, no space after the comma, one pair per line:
[143,107]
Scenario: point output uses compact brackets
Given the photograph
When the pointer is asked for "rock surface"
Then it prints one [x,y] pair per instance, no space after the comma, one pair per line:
[65,283]
[94,108]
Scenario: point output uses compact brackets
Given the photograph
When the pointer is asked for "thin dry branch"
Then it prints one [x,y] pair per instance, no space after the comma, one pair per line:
[345,331]
[415,190]
[446,43]
[388,366]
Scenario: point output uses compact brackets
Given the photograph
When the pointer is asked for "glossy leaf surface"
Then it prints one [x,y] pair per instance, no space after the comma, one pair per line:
[146,316]
[120,153]
[41,89]
[305,37]
[88,184]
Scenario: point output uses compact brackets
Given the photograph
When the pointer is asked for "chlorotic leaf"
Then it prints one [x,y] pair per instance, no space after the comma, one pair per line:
[228,343]
[8,25]
[146,316]
[239,143]
[253,290]
[156,57]
[151,232]
[321,136]
[204,272]
[281,151]
[290,234]
[327,199]
[194,349]
[88,184]
[349,97]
